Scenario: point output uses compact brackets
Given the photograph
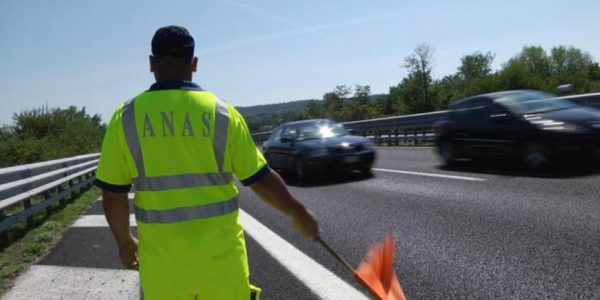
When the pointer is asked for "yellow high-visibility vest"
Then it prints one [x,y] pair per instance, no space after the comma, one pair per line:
[180,146]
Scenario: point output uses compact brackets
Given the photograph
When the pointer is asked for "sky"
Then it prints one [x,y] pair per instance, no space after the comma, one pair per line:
[94,54]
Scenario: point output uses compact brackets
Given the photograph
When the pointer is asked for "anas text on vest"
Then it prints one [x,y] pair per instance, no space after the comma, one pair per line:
[178,125]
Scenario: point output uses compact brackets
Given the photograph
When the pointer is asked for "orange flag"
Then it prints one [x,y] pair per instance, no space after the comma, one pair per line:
[376,273]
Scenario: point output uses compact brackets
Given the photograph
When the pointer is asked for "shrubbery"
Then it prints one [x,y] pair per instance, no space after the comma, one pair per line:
[43,134]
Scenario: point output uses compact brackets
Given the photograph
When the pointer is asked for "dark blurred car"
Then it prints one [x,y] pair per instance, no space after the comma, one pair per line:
[531,126]
[307,147]
[592,100]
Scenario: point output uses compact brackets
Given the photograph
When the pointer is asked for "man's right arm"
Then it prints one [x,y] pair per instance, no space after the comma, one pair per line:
[271,189]
[116,210]
[114,178]
[249,165]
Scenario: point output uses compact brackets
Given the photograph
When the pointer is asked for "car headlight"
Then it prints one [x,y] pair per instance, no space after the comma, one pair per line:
[558,126]
[595,124]
[319,152]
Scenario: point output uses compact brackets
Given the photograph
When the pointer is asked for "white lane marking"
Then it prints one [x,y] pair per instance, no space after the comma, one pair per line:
[429,174]
[316,277]
[98,221]
[54,282]
[130,196]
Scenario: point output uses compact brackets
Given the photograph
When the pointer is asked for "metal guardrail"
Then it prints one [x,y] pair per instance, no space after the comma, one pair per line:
[413,129]
[50,181]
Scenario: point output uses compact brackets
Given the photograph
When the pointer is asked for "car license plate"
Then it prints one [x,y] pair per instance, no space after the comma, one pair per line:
[350,159]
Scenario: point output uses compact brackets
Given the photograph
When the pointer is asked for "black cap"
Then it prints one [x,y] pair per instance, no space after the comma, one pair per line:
[173,41]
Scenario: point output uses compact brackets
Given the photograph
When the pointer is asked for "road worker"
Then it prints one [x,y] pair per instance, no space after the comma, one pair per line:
[179,146]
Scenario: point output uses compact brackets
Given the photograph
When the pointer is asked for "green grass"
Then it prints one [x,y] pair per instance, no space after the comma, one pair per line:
[27,245]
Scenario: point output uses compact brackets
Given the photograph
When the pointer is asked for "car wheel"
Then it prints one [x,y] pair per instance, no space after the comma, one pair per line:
[299,169]
[536,157]
[366,170]
[447,153]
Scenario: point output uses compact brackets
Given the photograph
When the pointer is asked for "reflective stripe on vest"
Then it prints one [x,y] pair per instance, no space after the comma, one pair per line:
[181,214]
[159,183]
[172,182]
[131,137]
[221,124]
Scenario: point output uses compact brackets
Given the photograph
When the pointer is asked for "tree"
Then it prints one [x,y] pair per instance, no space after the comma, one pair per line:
[386,106]
[314,110]
[334,103]
[530,69]
[359,108]
[533,68]
[476,65]
[535,60]
[416,88]
[571,65]
[449,89]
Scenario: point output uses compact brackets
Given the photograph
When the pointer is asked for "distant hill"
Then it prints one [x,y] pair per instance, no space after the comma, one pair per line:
[276,108]
[280,108]
[267,116]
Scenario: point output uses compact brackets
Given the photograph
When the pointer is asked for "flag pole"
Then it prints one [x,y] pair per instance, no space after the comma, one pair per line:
[336,256]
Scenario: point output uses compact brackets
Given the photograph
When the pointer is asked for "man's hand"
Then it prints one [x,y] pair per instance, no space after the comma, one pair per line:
[129,254]
[306,223]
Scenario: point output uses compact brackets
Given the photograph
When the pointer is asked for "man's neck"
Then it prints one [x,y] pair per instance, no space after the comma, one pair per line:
[172,77]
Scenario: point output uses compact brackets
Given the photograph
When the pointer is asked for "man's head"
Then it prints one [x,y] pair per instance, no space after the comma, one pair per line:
[172,54]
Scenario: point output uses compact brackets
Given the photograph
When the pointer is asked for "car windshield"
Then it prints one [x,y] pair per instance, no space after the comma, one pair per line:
[533,102]
[319,131]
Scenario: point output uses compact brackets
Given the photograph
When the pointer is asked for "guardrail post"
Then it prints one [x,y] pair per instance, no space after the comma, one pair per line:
[83,178]
[388,137]
[88,176]
[80,179]
[396,141]
[93,182]
[401,136]
[59,189]
[73,193]
[30,220]
[91,175]
[415,141]
[4,234]
[47,196]
[417,137]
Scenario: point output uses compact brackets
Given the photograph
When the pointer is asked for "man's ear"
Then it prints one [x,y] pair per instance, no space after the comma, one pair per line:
[152,63]
[194,63]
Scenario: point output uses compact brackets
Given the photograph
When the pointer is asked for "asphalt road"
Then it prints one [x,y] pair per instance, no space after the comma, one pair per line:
[475,231]
[510,235]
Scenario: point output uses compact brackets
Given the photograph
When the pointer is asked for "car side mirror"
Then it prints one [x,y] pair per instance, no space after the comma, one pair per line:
[351,131]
